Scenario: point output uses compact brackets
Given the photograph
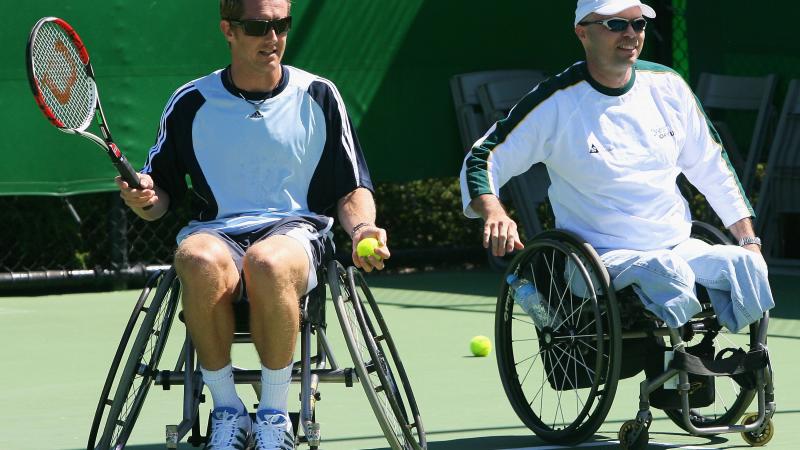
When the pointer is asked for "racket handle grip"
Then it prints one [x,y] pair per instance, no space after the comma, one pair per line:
[128,174]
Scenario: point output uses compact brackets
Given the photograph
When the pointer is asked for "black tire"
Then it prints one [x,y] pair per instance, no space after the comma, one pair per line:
[116,416]
[376,360]
[577,361]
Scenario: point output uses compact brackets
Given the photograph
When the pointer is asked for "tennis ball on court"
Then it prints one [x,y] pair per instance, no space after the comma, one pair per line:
[366,247]
[480,346]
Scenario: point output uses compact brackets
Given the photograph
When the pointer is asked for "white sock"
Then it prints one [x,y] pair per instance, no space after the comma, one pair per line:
[275,388]
[223,390]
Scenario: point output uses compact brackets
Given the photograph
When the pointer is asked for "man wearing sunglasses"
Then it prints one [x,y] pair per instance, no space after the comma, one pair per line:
[271,154]
[614,133]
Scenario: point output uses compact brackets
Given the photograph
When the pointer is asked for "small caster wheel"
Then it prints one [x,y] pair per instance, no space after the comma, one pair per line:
[627,440]
[757,439]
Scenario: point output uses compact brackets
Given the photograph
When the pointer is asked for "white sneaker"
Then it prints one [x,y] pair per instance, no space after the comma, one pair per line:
[229,430]
[273,430]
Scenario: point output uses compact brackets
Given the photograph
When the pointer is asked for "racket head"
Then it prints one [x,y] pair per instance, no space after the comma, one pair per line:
[60,74]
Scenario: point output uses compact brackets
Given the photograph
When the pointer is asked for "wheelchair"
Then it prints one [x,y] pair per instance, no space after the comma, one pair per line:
[377,366]
[561,377]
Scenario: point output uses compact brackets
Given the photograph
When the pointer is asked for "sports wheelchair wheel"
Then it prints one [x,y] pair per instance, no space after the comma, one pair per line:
[153,314]
[376,360]
[560,379]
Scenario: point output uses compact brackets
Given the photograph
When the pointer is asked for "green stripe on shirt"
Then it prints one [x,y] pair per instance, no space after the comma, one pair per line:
[477,164]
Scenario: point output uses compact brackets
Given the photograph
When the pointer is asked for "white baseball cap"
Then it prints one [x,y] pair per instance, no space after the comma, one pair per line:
[609,7]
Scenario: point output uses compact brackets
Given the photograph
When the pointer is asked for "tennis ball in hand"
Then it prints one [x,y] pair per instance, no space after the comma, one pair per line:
[366,247]
[480,346]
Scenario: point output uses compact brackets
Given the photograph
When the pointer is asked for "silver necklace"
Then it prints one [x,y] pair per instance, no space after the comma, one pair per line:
[256,104]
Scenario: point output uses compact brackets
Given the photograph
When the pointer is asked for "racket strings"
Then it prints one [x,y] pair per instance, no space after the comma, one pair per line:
[66,87]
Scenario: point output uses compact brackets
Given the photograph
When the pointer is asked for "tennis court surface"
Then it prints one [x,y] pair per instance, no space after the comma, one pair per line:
[56,350]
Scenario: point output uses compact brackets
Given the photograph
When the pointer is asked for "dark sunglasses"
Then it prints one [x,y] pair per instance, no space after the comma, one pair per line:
[618,25]
[263,27]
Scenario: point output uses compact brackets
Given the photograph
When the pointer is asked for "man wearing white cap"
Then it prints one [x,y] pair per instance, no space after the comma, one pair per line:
[614,133]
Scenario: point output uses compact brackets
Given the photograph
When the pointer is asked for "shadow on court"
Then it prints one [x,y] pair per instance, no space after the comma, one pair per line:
[183,445]
[524,442]
[481,443]
[502,442]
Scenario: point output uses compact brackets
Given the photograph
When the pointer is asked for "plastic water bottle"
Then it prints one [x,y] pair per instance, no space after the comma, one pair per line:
[529,299]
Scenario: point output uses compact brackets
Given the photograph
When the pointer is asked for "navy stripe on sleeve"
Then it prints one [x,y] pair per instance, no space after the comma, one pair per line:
[342,167]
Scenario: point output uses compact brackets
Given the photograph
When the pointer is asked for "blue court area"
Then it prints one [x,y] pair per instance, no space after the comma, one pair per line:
[56,350]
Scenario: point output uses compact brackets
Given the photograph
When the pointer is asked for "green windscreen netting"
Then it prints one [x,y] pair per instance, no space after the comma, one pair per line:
[391,60]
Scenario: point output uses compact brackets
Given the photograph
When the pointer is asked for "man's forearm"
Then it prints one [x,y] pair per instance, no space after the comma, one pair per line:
[356,208]
[742,228]
[486,205]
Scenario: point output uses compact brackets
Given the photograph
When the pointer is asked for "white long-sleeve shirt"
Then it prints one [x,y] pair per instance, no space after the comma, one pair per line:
[613,156]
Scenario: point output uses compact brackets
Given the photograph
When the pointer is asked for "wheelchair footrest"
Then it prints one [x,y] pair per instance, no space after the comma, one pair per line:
[740,365]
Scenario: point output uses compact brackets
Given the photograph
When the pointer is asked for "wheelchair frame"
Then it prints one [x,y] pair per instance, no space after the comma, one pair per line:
[377,365]
[583,352]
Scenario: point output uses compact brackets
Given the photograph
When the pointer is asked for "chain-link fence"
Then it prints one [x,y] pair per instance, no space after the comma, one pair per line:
[93,239]
[89,239]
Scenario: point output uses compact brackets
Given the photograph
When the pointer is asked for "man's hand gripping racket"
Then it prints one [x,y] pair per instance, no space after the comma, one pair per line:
[62,80]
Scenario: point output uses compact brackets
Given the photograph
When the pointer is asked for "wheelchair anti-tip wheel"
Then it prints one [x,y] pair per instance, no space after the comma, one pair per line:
[376,360]
[629,440]
[560,378]
[153,314]
[761,438]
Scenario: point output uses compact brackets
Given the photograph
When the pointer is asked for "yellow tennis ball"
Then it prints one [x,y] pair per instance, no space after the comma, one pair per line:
[366,247]
[480,346]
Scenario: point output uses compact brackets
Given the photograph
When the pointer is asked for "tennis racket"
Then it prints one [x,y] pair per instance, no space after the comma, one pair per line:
[63,84]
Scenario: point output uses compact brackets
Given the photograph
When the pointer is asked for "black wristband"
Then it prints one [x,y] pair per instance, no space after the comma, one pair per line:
[358,227]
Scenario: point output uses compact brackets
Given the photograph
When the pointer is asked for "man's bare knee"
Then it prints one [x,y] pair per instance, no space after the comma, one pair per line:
[280,266]
[201,254]
[266,264]
[203,262]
